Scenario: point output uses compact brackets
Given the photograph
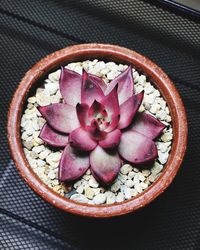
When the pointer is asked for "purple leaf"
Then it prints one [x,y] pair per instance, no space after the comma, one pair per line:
[81,139]
[70,86]
[61,117]
[98,81]
[105,164]
[95,131]
[111,103]
[137,148]
[52,137]
[112,139]
[82,113]
[73,164]
[128,110]
[147,125]
[126,85]
[90,90]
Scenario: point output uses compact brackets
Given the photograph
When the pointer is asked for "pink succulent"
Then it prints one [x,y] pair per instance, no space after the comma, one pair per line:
[98,126]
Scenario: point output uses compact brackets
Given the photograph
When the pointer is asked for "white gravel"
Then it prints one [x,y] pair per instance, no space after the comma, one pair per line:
[131,180]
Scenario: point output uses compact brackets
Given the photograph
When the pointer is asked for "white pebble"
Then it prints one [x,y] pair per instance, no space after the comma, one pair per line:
[129,183]
[115,186]
[125,169]
[99,199]
[93,182]
[120,197]
[110,197]
[79,198]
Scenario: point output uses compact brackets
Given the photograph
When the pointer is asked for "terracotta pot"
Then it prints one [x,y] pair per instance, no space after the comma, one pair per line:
[104,52]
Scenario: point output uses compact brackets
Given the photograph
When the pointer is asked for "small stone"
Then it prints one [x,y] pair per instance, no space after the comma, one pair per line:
[136,76]
[141,108]
[51,175]
[86,177]
[147,106]
[129,183]
[152,178]
[154,108]
[127,193]
[36,137]
[88,172]
[133,192]
[122,177]
[131,174]
[99,199]
[149,89]
[79,198]
[138,188]
[54,76]
[93,183]
[42,98]
[44,154]
[41,122]
[162,157]
[166,137]
[120,197]
[34,155]
[55,99]
[51,88]
[28,144]
[77,184]
[32,99]
[110,197]
[149,99]
[80,189]
[115,186]
[125,169]
[141,176]
[168,118]
[136,179]
[111,75]
[96,191]
[161,114]
[38,149]
[89,193]
[24,136]
[143,185]
[142,79]
[146,172]
[57,188]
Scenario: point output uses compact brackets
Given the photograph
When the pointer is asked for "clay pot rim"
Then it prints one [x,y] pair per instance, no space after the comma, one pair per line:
[118,54]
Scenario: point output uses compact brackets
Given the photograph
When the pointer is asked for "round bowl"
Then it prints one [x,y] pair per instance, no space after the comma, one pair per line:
[104,52]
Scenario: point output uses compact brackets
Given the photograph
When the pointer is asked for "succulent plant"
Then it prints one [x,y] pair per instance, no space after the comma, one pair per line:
[99,126]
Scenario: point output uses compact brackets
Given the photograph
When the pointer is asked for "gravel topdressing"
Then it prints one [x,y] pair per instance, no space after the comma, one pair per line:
[44,160]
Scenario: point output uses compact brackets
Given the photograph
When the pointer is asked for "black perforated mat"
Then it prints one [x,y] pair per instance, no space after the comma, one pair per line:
[29,30]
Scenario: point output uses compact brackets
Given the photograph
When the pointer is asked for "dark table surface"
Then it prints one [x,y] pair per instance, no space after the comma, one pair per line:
[29,30]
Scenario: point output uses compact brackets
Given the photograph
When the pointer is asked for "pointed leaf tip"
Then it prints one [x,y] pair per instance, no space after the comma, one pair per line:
[147,125]
[70,86]
[128,109]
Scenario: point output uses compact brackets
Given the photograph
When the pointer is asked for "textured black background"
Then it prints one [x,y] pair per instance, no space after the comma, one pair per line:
[29,30]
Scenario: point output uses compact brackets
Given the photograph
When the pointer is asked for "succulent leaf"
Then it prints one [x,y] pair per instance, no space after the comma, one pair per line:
[128,110]
[70,86]
[81,139]
[105,164]
[52,137]
[73,164]
[61,117]
[147,125]
[126,85]
[137,148]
